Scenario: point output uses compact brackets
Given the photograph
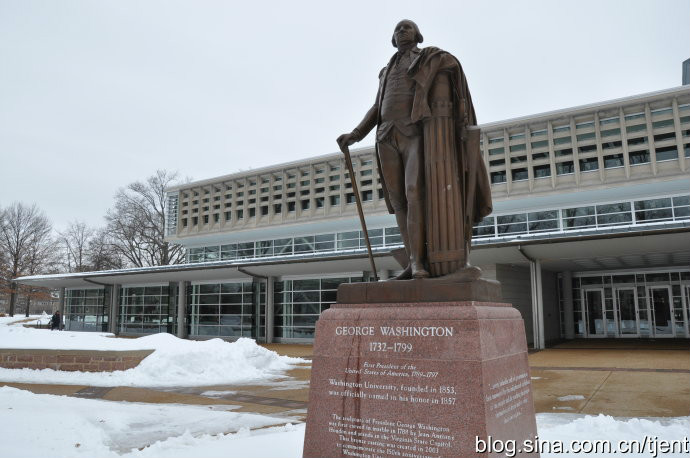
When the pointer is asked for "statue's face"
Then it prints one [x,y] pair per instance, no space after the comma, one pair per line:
[405,33]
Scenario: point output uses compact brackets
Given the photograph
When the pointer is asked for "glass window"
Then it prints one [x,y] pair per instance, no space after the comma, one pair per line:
[498,177]
[614,160]
[497,162]
[561,140]
[520,174]
[543,221]
[583,137]
[520,147]
[681,200]
[564,152]
[666,136]
[587,149]
[282,247]
[512,224]
[564,168]
[664,123]
[653,210]
[145,310]
[540,144]
[636,128]
[612,214]
[610,145]
[584,125]
[494,151]
[667,153]
[245,250]
[639,157]
[578,218]
[485,228]
[542,171]
[565,128]
[589,164]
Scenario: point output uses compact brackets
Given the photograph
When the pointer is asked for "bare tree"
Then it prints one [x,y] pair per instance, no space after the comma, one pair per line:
[21,227]
[102,252]
[75,240]
[137,222]
[42,256]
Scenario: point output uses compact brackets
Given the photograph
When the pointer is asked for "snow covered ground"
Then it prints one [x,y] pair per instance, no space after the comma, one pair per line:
[60,426]
[72,427]
[174,362]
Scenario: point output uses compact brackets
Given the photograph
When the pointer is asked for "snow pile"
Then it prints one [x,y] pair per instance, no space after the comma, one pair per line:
[174,362]
[210,362]
[43,319]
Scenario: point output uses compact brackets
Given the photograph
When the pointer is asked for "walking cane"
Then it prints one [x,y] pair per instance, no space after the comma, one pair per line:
[353,180]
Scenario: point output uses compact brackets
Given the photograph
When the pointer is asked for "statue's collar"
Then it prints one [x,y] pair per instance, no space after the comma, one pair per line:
[414,50]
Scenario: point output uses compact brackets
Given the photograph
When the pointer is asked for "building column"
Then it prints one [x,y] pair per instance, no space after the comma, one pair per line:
[537,304]
[182,309]
[384,274]
[61,308]
[114,309]
[270,312]
[568,315]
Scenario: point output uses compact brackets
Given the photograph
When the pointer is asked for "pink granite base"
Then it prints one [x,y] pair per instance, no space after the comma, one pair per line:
[455,372]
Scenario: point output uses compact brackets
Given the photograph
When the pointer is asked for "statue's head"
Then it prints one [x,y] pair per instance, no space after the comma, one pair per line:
[406,31]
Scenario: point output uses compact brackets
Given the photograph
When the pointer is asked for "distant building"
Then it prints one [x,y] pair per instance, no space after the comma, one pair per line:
[686,72]
[590,235]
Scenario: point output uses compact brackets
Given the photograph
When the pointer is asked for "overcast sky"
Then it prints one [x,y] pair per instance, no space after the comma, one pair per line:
[97,94]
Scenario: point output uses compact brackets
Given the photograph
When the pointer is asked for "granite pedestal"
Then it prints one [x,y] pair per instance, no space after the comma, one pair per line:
[418,379]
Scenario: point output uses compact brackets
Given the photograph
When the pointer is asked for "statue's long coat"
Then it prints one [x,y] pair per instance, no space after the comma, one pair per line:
[429,62]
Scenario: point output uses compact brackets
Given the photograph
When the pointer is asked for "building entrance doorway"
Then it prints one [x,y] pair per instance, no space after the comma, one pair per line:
[628,313]
[659,298]
[593,302]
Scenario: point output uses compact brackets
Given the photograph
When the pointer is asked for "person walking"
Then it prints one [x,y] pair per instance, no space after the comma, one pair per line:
[56,321]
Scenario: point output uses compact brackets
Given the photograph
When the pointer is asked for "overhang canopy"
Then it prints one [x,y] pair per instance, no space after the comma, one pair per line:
[659,247]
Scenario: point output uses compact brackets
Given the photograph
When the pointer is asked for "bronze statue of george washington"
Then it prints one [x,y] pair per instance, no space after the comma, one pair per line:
[427,143]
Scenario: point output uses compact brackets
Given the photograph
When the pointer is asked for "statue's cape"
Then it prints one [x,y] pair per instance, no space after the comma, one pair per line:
[423,70]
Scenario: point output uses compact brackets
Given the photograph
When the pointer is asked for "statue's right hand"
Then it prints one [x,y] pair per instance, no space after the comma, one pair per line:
[346,140]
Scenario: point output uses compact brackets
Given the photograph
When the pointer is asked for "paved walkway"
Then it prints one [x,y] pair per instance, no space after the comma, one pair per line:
[620,378]
[614,377]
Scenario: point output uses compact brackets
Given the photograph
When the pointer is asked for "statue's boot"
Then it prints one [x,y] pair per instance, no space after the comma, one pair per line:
[418,271]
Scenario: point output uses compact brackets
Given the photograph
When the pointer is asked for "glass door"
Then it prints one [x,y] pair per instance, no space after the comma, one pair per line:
[593,303]
[686,298]
[626,304]
[659,298]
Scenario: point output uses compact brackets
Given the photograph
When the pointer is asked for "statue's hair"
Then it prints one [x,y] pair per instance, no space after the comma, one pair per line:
[418,35]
